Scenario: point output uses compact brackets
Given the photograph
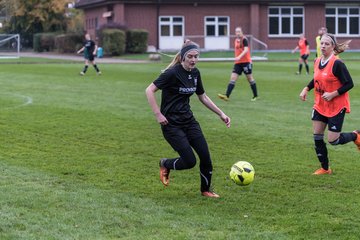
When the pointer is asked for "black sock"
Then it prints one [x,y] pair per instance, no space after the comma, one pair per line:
[321,150]
[344,138]
[85,68]
[307,68]
[253,88]
[230,87]
[96,68]
[300,67]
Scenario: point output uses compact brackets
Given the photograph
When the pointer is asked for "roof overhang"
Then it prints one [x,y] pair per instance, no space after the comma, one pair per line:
[95,3]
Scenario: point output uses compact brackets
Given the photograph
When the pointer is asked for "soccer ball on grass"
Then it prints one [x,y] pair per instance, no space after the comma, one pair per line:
[242,173]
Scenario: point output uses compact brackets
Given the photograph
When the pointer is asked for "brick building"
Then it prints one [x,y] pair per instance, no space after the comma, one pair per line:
[211,23]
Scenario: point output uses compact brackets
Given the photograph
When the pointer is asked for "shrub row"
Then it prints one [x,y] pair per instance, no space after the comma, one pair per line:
[117,42]
[114,42]
[64,43]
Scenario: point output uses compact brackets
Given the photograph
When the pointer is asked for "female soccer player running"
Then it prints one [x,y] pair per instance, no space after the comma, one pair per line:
[89,50]
[178,82]
[331,84]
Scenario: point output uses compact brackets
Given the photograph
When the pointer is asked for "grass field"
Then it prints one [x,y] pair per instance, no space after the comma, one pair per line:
[79,159]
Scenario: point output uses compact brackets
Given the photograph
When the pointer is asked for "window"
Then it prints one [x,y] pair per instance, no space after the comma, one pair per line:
[171,26]
[286,21]
[216,26]
[343,20]
[91,23]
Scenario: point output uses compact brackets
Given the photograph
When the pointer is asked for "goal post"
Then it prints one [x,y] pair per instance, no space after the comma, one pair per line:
[9,46]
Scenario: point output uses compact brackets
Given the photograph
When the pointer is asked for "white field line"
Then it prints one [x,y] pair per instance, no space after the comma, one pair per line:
[27,101]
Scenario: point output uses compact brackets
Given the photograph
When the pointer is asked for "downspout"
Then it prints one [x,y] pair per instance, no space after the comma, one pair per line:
[157,23]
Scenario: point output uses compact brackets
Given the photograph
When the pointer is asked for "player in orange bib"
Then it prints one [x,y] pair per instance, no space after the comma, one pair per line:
[303,46]
[331,84]
[242,64]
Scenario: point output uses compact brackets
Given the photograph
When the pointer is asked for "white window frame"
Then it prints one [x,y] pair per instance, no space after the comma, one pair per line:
[291,15]
[216,23]
[347,16]
[171,25]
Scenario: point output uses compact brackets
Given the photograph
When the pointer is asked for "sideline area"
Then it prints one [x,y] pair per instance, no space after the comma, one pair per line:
[77,58]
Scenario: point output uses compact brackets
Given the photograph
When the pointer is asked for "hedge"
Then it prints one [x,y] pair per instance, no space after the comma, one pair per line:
[44,42]
[113,42]
[136,41]
[68,43]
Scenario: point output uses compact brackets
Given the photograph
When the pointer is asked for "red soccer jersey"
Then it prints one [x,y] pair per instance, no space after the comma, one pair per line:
[303,47]
[326,81]
[239,48]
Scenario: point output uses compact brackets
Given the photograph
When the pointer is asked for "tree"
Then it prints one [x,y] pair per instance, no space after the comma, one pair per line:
[34,16]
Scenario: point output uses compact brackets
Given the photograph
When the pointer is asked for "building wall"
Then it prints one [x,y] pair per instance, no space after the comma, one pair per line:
[253,18]
[144,17]
[90,15]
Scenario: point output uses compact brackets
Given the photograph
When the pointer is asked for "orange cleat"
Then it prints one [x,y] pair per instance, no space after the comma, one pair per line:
[322,171]
[164,173]
[357,140]
[210,194]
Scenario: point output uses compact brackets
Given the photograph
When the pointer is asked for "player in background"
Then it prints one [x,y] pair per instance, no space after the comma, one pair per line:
[331,84]
[178,82]
[89,49]
[243,63]
[321,32]
[303,46]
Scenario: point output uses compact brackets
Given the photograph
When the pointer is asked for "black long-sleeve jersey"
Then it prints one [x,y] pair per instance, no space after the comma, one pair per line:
[177,86]
[341,72]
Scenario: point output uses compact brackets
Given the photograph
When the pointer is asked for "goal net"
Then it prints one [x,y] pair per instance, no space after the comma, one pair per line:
[9,46]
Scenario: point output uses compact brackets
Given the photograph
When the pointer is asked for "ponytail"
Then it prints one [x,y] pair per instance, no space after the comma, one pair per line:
[338,47]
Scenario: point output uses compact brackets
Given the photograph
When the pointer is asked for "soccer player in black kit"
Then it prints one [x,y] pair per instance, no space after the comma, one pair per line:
[89,49]
[178,82]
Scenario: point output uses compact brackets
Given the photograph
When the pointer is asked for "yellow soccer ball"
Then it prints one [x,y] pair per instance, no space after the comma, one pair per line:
[242,173]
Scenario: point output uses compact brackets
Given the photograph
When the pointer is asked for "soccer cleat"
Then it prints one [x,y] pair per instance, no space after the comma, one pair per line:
[297,73]
[210,194]
[357,140]
[82,73]
[254,99]
[98,73]
[322,171]
[164,172]
[223,97]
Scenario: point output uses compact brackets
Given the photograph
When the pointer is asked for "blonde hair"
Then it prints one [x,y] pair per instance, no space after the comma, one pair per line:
[178,57]
[338,47]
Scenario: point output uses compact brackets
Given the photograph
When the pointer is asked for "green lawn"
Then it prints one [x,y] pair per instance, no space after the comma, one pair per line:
[79,158]
[272,56]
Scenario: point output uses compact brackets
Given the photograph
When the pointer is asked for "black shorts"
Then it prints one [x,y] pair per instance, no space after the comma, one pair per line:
[89,57]
[305,56]
[239,68]
[334,123]
[179,137]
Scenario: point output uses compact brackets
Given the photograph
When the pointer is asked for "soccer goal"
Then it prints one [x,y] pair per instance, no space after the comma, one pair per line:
[9,46]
